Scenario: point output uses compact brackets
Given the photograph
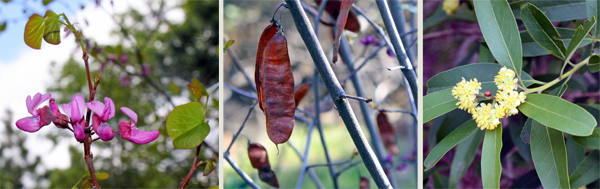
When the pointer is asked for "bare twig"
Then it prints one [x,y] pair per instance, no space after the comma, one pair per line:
[194,166]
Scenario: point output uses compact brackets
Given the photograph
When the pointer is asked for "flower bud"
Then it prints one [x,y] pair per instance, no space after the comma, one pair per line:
[61,121]
[123,58]
[487,93]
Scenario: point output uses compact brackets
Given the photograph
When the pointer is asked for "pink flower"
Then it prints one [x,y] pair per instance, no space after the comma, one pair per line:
[128,131]
[60,120]
[146,69]
[125,80]
[75,110]
[101,114]
[39,117]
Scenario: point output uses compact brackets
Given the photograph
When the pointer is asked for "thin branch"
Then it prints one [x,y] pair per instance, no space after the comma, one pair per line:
[372,55]
[342,170]
[237,63]
[305,160]
[335,90]
[241,127]
[240,92]
[239,171]
[194,166]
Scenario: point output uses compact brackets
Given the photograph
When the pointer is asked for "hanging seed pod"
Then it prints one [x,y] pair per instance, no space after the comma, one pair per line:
[260,160]
[277,88]
[364,183]
[266,36]
[300,93]
[386,130]
[339,25]
[333,8]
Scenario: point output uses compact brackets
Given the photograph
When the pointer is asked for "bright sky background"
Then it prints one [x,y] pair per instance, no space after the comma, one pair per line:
[25,71]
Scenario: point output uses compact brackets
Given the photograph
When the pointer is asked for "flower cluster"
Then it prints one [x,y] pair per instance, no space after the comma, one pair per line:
[75,111]
[450,6]
[504,104]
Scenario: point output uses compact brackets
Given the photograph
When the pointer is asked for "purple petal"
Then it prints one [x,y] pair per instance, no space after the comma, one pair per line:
[77,108]
[142,137]
[125,129]
[130,113]
[96,106]
[105,132]
[67,109]
[109,109]
[54,107]
[29,124]
[38,99]
[78,132]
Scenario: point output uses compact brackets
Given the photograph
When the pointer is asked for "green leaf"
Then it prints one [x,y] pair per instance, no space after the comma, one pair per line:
[542,31]
[491,169]
[174,88]
[500,32]
[214,187]
[587,171]
[52,28]
[463,157]
[210,166]
[532,48]
[556,10]
[192,138]
[3,26]
[549,156]
[228,44]
[186,125]
[430,172]
[46,2]
[592,141]
[594,63]
[559,114]
[440,181]
[459,134]
[438,103]
[526,132]
[593,109]
[593,8]
[559,91]
[195,91]
[484,72]
[197,83]
[580,34]
[86,184]
[575,153]
[34,31]
[102,176]
[515,131]
[485,55]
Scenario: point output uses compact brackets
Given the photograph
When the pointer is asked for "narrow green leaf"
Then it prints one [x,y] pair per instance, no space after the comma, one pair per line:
[485,55]
[580,34]
[592,141]
[594,63]
[593,109]
[575,153]
[228,44]
[463,156]
[184,118]
[542,31]
[587,171]
[559,91]
[593,8]
[532,48]
[34,31]
[515,131]
[500,32]
[484,72]
[430,172]
[556,10]
[459,134]
[491,169]
[549,156]
[438,103]
[46,2]
[559,114]
[192,138]
[52,28]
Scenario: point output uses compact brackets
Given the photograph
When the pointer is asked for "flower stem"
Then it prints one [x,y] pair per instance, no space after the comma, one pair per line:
[561,77]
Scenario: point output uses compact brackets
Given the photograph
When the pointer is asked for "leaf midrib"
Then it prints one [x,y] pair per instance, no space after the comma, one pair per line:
[555,113]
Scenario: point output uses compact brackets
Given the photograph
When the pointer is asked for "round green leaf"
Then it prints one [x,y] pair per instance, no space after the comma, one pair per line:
[197,83]
[210,166]
[484,72]
[102,176]
[186,125]
[34,31]
[192,138]
[559,114]
[52,28]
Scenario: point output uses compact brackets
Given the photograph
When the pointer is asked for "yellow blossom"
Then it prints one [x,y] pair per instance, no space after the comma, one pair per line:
[485,116]
[505,80]
[450,6]
[465,92]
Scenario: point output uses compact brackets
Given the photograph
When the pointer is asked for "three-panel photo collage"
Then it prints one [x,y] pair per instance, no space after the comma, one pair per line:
[300,94]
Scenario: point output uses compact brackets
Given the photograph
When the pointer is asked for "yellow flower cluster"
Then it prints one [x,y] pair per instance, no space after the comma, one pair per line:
[450,6]
[488,115]
[465,92]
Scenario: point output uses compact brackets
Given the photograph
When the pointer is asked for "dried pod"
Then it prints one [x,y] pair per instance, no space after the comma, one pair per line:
[277,89]
[266,36]
[260,160]
[300,93]
[386,130]
[333,8]
[339,25]
[364,183]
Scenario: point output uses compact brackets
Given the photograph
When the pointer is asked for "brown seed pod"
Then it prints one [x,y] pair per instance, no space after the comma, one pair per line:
[260,160]
[386,130]
[333,8]
[266,36]
[277,88]
[300,93]
[364,183]
[341,19]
